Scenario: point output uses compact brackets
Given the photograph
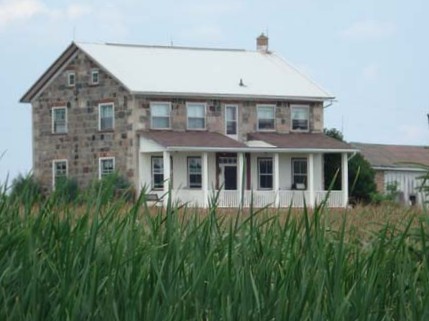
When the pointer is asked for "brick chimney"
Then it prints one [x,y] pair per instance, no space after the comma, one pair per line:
[262,43]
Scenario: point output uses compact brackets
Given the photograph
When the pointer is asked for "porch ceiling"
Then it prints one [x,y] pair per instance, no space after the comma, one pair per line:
[301,140]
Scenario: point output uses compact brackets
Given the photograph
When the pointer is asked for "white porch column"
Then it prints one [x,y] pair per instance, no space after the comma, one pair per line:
[205,178]
[345,178]
[310,202]
[240,177]
[276,181]
[167,176]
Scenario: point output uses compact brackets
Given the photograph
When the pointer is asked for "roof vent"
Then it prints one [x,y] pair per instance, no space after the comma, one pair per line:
[262,43]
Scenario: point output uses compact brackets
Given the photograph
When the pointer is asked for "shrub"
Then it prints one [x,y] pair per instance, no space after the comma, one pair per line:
[25,189]
[66,190]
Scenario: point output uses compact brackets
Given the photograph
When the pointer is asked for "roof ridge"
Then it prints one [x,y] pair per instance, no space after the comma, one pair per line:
[136,45]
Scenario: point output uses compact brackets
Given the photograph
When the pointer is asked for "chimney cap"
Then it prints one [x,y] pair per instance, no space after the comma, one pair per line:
[262,43]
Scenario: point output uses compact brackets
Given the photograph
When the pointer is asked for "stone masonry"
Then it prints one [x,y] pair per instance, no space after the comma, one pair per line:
[83,144]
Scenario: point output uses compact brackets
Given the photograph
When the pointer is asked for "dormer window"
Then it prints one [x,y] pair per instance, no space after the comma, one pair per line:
[300,117]
[95,77]
[71,79]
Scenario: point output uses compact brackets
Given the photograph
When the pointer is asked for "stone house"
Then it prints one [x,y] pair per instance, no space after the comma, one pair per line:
[401,165]
[243,123]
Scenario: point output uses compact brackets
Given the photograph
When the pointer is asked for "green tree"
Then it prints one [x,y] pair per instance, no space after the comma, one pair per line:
[361,175]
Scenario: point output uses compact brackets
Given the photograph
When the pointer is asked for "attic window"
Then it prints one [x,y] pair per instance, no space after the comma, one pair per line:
[94,77]
[71,79]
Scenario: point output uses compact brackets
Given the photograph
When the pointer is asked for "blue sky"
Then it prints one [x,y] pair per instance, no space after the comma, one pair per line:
[372,55]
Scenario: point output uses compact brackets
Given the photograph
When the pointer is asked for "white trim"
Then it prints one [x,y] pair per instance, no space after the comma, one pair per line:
[205,115]
[274,117]
[400,169]
[235,107]
[254,150]
[246,97]
[93,72]
[300,106]
[54,161]
[70,74]
[99,115]
[53,120]
[100,160]
[151,104]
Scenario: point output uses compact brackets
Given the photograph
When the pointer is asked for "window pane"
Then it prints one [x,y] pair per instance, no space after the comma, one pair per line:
[266,116]
[106,116]
[196,123]
[299,117]
[107,166]
[157,172]
[194,172]
[59,118]
[160,110]
[231,128]
[160,122]
[196,111]
[265,112]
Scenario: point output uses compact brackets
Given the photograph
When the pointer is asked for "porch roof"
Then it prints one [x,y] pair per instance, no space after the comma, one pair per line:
[306,141]
[257,142]
[192,139]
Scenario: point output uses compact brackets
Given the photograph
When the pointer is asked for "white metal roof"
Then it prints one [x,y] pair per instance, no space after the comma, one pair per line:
[203,72]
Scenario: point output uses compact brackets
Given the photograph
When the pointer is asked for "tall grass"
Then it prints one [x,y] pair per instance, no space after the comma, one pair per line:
[107,260]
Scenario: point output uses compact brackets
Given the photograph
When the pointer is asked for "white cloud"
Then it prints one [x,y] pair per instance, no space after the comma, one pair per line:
[369,30]
[75,11]
[12,11]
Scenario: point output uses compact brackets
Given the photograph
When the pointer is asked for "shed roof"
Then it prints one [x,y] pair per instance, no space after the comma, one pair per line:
[394,156]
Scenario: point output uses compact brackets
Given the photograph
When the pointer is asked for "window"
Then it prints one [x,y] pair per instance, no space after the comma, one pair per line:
[59,120]
[94,77]
[299,173]
[59,172]
[266,116]
[160,115]
[194,172]
[196,115]
[231,119]
[71,78]
[106,118]
[299,116]
[265,173]
[106,166]
[157,172]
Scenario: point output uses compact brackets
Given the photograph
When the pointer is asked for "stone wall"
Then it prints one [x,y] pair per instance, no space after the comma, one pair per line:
[379,181]
[83,144]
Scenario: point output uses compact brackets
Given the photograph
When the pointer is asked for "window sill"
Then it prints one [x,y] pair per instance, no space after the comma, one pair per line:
[106,130]
[59,134]
[266,130]
[300,130]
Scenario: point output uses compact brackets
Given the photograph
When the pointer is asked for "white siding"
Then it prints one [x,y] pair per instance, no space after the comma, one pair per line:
[408,184]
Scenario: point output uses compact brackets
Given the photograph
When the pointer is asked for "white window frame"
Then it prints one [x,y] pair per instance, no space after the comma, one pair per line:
[294,184]
[155,103]
[54,131]
[188,161]
[95,72]
[100,161]
[71,75]
[297,106]
[265,174]
[204,105]
[273,107]
[153,173]
[99,116]
[235,107]
[54,162]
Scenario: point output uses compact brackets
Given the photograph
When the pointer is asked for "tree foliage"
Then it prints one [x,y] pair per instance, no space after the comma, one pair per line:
[361,175]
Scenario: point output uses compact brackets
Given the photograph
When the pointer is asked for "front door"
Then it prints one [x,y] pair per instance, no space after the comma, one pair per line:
[230,177]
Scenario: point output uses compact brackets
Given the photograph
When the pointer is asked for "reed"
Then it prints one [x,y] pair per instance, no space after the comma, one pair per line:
[108,260]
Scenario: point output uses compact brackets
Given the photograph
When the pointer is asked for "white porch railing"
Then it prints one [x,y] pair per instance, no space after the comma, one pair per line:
[286,198]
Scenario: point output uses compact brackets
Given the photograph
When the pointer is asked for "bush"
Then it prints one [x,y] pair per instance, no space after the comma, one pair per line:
[26,189]
[113,186]
[66,190]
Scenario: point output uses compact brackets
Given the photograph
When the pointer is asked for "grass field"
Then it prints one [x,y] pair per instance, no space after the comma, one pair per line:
[109,260]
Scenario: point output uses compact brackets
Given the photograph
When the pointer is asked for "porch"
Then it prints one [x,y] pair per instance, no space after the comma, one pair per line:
[276,179]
